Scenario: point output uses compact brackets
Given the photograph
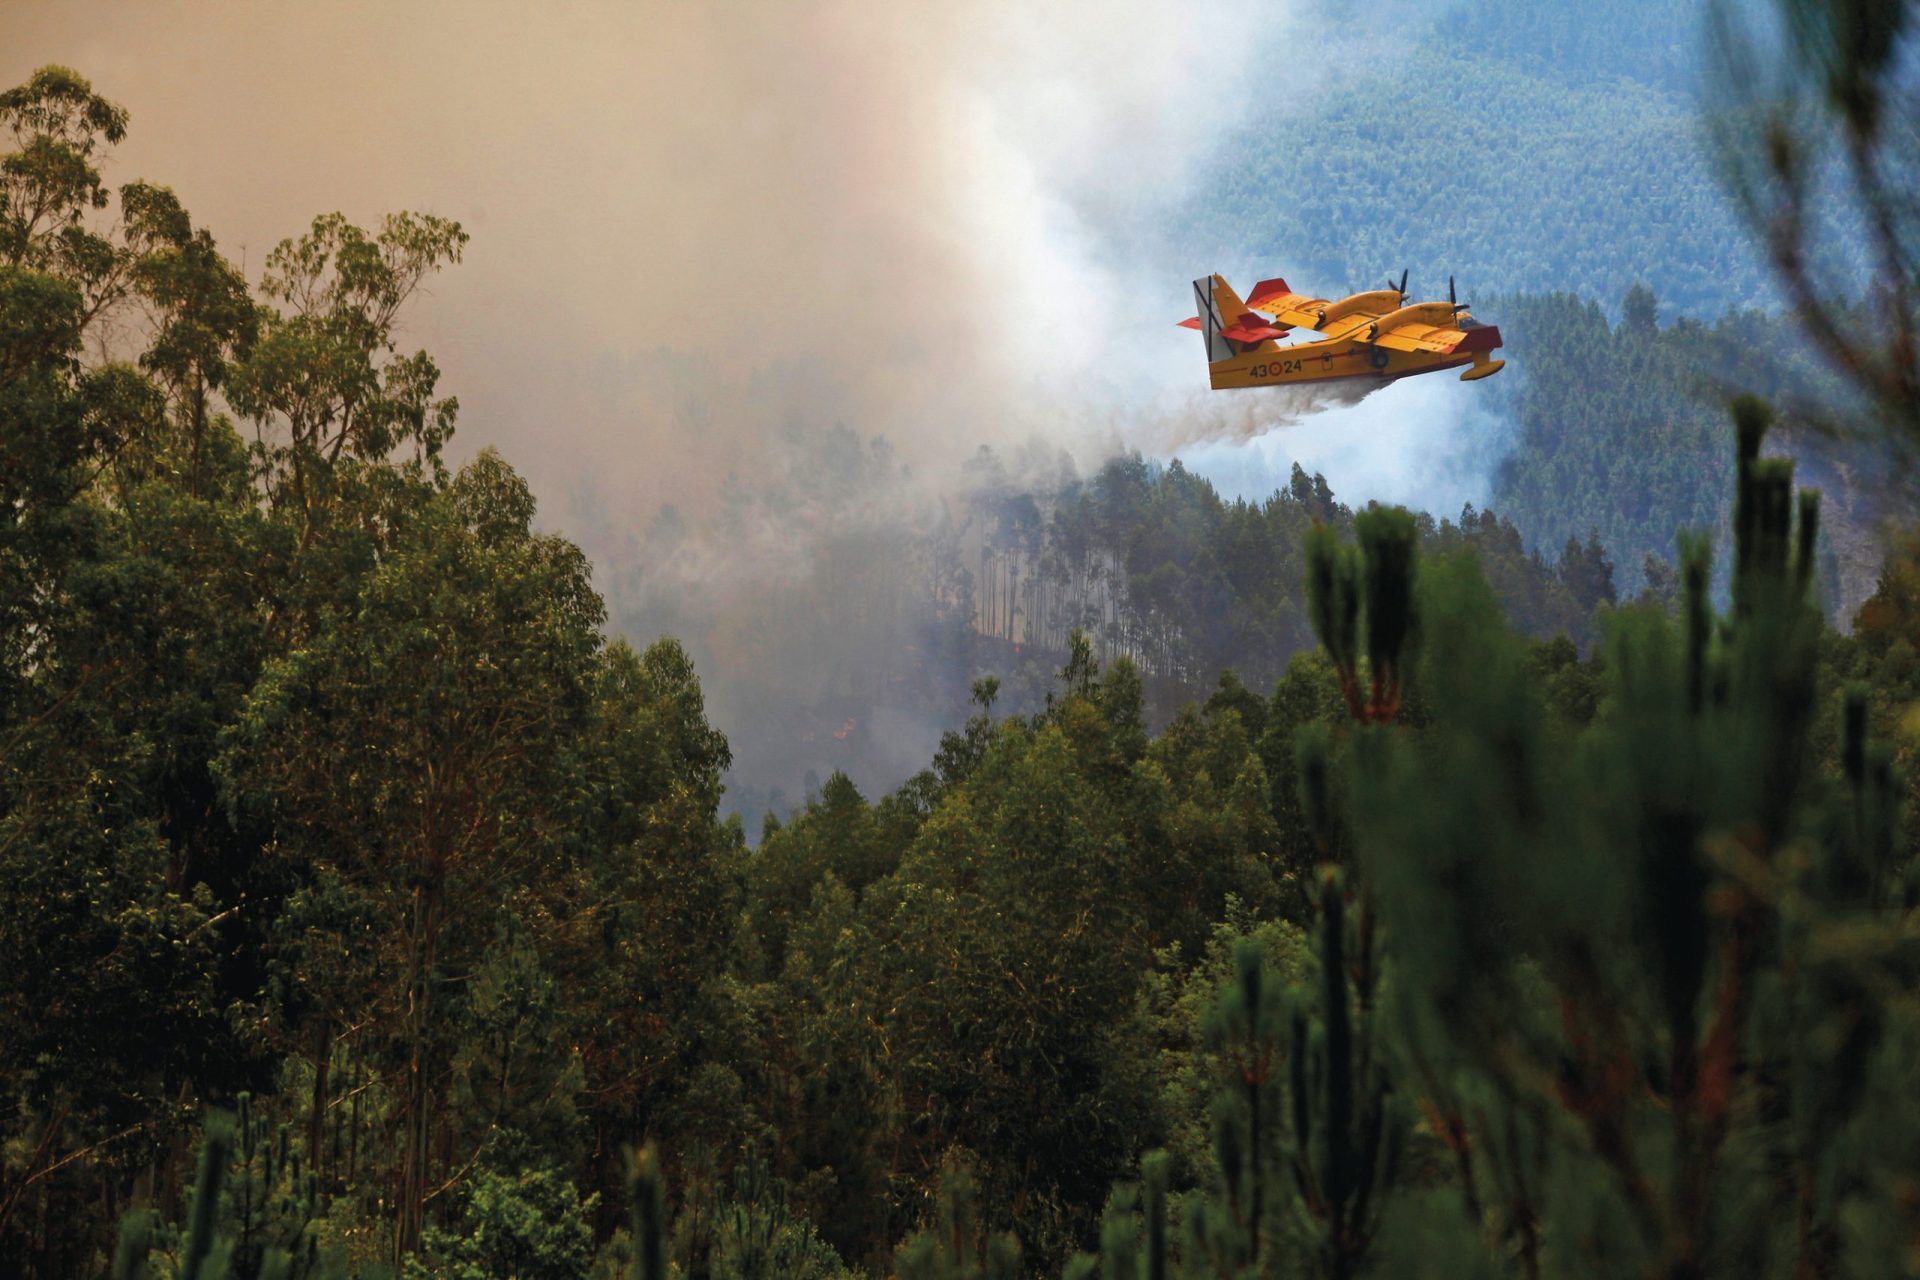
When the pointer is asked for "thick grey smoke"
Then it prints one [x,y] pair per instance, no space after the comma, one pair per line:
[706,235]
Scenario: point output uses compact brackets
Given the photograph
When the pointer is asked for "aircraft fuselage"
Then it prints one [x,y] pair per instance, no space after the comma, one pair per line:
[1338,358]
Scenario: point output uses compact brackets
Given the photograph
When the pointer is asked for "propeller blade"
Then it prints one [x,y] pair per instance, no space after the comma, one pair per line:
[1403,281]
[1450,297]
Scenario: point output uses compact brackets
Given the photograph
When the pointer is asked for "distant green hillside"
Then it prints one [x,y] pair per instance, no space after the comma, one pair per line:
[1462,165]
[1621,430]
[1525,149]
[1653,42]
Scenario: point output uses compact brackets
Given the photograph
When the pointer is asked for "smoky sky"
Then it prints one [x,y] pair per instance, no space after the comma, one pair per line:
[694,223]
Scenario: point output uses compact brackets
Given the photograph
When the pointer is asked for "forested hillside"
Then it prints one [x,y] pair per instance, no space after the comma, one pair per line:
[1660,46]
[1619,431]
[1617,449]
[1146,560]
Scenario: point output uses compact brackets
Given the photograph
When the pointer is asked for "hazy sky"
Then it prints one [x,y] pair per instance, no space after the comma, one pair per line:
[695,222]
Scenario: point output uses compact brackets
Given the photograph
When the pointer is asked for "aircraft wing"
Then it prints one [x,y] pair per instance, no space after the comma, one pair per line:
[1350,324]
[1440,339]
[1295,310]
[1420,337]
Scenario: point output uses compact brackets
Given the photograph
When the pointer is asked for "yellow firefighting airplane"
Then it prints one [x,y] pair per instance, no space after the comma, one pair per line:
[1368,335]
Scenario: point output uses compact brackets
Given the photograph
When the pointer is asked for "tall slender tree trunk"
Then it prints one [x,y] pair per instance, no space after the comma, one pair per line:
[317,1115]
[353,1120]
[1013,592]
[410,1203]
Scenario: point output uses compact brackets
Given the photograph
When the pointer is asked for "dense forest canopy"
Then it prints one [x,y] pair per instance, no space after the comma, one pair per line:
[1311,888]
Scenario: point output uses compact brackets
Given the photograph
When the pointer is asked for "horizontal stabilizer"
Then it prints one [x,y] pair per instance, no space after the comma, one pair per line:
[1253,328]
[1248,328]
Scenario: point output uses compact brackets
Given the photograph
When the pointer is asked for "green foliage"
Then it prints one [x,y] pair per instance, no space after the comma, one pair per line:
[1603,951]
[1245,1029]
[1188,585]
[754,1235]
[249,1216]
[1014,1030]
[648,1194]
[1815,138]
[1347,1132]
[532,1227]
[954,1247]
[313,760]
[1182,999]
[327,370]
[48,182]
[1309,1137]
[104,584]
[1378,577]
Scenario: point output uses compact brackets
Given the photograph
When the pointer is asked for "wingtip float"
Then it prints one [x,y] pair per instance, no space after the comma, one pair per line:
[1376,335]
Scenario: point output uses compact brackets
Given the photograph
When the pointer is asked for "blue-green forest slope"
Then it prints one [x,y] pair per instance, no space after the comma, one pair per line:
[1528,148]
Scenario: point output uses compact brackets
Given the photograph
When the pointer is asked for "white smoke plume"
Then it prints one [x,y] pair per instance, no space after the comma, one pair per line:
[1206,418]
[1429,443]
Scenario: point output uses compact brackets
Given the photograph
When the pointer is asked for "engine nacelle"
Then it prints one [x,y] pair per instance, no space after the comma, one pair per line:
[1378,300]
[1428,313]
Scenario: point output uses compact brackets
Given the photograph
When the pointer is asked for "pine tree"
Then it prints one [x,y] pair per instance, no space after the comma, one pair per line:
[1648,982]
[249,1215]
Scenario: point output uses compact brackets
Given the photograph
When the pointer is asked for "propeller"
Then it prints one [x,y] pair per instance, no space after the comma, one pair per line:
[1400,288]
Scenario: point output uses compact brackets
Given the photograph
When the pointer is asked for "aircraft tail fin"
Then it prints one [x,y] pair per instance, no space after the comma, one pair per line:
[1225,323]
